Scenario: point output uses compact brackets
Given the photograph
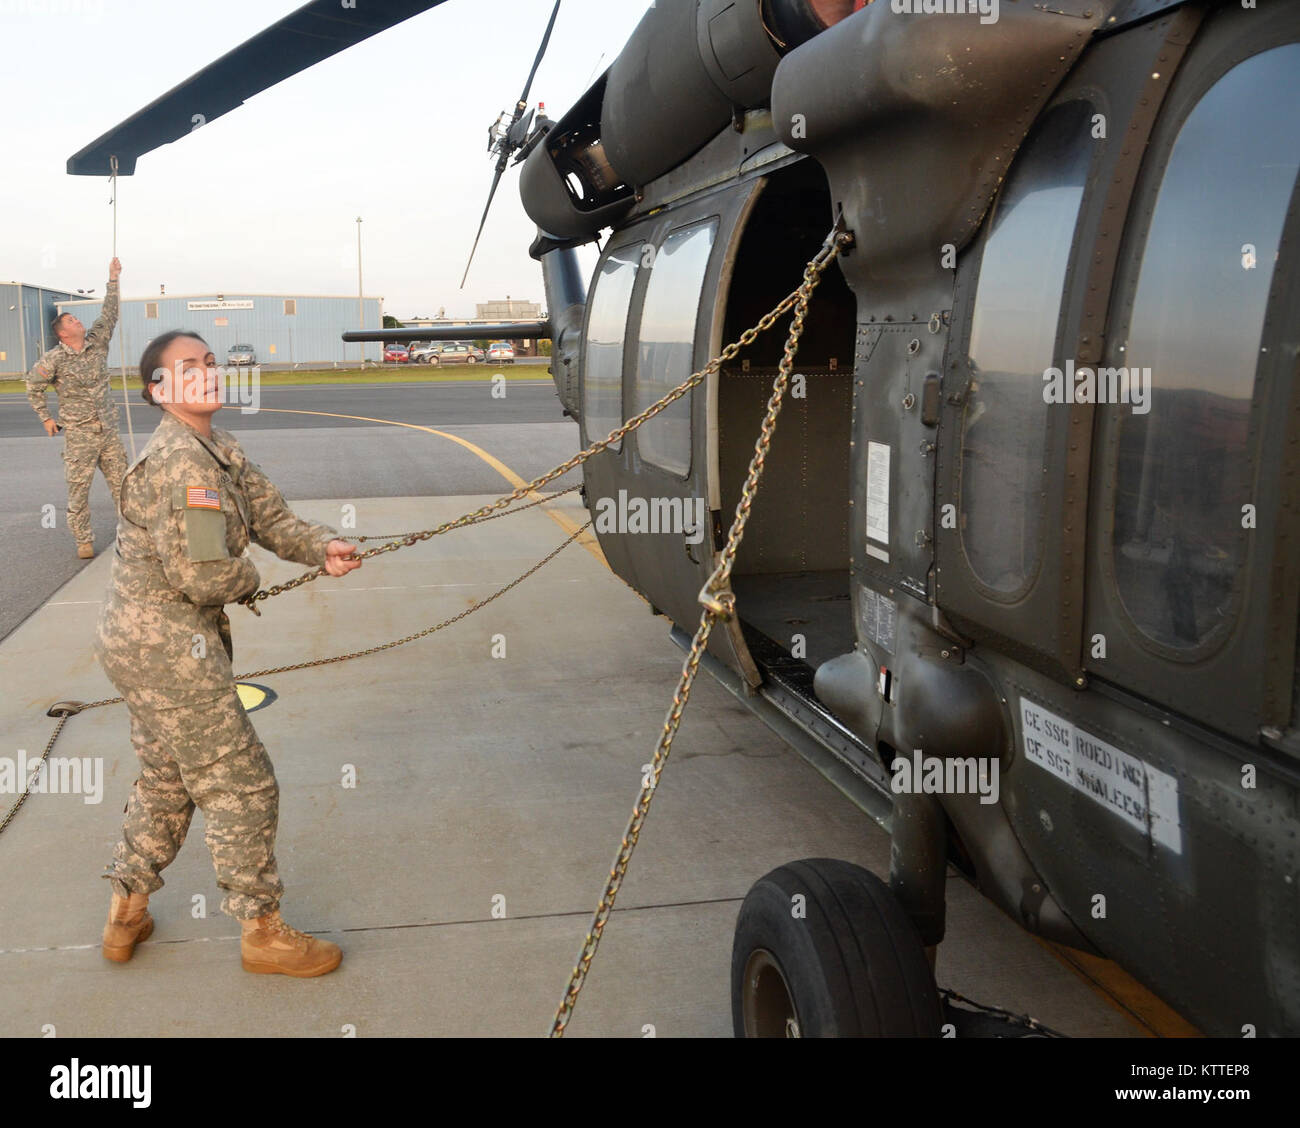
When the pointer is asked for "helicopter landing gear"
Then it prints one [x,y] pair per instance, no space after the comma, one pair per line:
[824,949]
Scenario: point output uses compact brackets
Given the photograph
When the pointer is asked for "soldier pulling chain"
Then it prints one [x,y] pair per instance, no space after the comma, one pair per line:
[716,598]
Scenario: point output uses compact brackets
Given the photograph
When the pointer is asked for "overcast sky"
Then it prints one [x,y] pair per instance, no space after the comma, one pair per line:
[265,199]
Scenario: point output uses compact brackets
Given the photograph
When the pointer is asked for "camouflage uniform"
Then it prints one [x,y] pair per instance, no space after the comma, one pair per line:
[190,505]
[87,414]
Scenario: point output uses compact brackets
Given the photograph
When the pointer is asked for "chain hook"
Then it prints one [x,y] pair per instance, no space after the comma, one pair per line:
[721,603]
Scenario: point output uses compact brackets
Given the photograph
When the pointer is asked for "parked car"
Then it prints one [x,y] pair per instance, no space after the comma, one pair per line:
[396,354]
[457,354]
[501,352]
[425,354]
[239,356]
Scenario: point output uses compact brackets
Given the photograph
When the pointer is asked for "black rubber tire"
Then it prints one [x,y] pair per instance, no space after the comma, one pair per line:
[471,360]
[852,966]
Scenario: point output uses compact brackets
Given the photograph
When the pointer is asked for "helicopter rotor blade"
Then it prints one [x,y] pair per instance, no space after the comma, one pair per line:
[541,54]
[511,141]
[314,32]
[496,181]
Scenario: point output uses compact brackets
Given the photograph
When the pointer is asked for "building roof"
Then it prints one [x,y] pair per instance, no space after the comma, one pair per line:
[453,322]
[226,294]
[40,286]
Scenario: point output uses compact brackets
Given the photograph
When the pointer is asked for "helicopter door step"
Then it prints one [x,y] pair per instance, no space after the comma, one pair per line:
[785,704]
[788,684]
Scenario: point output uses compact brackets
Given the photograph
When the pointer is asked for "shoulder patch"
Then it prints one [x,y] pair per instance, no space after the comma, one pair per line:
[200,497]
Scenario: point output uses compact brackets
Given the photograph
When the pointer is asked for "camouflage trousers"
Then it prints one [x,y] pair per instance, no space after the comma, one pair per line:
[88,447]
[203,754]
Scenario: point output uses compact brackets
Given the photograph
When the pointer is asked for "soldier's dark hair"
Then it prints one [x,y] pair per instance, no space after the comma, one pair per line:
[151,360]
[54,325]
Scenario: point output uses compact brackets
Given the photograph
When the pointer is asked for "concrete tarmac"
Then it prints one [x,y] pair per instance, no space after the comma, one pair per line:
[495,765]
[312,443]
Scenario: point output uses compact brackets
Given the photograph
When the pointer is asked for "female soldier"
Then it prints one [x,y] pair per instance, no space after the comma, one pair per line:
[190,505]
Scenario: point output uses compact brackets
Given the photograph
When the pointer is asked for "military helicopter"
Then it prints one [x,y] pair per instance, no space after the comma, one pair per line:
[1022,579]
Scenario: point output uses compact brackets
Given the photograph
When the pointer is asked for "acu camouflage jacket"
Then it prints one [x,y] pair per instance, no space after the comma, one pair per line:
[190,506]
[80,379]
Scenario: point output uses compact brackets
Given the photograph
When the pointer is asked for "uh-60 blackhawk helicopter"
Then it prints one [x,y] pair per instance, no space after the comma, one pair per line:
[1033,524]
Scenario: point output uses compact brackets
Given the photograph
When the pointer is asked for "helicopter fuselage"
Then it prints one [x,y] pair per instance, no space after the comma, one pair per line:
[1031,503]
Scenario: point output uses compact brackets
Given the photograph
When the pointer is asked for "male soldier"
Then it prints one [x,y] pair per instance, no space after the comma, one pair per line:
[77,369]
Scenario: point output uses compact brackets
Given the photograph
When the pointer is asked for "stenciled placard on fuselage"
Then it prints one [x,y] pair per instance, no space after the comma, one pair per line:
[1143,796]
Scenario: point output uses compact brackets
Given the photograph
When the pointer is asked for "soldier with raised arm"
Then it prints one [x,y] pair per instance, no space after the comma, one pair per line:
[77,370]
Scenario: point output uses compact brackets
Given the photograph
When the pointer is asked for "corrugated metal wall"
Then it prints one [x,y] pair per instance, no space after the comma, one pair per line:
[25,329]
[11,334]
[310,335]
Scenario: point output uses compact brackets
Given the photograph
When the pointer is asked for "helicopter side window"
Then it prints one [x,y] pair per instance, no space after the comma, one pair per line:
[1186,464]
[602,396]
[672,305]
[1013,340]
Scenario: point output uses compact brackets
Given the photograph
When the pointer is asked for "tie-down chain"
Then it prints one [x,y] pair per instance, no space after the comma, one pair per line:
[716,596]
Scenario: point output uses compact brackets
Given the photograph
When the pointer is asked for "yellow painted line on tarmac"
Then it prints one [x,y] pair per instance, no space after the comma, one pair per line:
[1124,993]
[565,522]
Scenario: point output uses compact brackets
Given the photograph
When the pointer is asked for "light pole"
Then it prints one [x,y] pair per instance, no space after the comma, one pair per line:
[361,305]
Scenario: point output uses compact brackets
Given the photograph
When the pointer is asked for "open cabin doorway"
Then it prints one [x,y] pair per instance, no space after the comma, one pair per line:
[791,578]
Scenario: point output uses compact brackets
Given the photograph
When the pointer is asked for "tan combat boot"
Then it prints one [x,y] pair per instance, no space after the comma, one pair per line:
[128,924]
[268,946]
[85,551]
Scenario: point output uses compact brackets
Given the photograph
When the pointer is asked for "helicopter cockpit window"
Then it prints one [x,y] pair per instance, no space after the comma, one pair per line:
[602,397]
[1013,339]
[1186,463]
[672,304]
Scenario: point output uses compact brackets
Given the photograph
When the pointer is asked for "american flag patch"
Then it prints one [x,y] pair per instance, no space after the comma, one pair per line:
[196,497]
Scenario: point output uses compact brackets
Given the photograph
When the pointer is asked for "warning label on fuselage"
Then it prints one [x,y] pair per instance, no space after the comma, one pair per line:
[1143,796]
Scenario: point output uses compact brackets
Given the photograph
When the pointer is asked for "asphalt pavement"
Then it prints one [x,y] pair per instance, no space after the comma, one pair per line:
[432,404]
[312,440]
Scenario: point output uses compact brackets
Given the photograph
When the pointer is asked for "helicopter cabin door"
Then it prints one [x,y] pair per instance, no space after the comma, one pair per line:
[653,318]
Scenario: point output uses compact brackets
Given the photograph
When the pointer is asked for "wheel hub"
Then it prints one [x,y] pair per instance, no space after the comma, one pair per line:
[768,1008]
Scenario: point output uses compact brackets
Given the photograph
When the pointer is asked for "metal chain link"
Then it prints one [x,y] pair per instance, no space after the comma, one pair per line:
[716,597]
[486,513]
[398,540]
[428,630]
[615,436]
[481,520]
[65,709]
[719,603]
[63,720]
